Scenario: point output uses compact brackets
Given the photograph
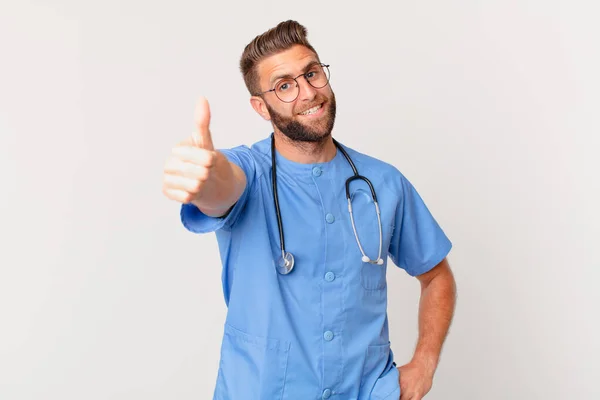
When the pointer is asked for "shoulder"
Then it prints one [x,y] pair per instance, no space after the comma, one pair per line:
[254,158]
[376,169]
[258,151]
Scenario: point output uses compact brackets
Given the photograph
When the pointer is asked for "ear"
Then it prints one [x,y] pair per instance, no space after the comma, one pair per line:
[259,106]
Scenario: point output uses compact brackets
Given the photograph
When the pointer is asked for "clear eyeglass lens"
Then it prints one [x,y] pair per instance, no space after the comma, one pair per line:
[287,89]
[317,76]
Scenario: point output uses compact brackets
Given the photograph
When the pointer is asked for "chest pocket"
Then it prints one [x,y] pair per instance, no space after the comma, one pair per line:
[372,276]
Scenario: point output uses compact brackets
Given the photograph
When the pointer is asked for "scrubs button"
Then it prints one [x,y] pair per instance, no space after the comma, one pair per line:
[326,393]
[329,218]
[330,276]
[328,335]
[317,171]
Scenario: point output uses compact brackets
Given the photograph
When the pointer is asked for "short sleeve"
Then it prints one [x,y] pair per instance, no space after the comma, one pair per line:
[196,221]
[418,243]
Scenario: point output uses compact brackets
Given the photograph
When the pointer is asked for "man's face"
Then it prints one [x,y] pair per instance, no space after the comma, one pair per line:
[291,118]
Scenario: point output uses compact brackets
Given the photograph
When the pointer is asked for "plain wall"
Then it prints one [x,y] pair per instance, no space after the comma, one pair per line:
[490,108]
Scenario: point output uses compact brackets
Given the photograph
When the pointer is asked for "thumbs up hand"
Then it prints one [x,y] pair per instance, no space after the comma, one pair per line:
[196,173]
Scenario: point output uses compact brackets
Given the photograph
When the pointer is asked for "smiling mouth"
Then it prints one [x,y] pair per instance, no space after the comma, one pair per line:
[312,110]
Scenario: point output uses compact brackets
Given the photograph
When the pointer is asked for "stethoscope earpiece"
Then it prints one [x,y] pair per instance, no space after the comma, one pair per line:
[366,259]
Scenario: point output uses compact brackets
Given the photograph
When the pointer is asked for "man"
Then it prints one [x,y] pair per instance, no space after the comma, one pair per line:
[304,279]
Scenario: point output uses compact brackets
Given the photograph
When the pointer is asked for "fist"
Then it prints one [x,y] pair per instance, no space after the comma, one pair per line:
[189,168]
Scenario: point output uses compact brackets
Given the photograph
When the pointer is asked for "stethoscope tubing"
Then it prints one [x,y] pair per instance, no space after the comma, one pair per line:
[286,262]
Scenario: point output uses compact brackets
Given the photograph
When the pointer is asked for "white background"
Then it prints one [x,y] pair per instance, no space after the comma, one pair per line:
[490,108]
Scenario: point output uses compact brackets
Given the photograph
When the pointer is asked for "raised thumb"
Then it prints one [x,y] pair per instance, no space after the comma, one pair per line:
[202,136]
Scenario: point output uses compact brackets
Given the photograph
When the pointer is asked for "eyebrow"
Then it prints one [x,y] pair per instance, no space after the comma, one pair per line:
[281,76]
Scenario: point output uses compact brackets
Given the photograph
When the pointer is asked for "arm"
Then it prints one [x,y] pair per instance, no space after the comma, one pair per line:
[436,309]
[223,190]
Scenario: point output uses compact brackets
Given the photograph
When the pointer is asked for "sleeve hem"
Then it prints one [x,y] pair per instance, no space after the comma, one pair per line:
[196,221]
[428,266]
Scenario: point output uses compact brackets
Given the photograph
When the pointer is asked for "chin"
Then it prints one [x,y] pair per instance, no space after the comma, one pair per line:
[307,128]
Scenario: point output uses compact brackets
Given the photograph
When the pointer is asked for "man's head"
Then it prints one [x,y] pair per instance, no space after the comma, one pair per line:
[286,80]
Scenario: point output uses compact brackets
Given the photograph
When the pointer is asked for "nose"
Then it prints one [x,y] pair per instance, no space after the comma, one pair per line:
[306,91]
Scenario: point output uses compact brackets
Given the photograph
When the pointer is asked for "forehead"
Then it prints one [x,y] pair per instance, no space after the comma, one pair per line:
[291,61]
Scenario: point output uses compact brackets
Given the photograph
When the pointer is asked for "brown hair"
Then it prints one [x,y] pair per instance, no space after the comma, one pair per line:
[280,38]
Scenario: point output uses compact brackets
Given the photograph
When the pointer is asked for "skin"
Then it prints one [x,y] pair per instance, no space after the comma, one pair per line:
[436,310]
[196,173]
[293,62]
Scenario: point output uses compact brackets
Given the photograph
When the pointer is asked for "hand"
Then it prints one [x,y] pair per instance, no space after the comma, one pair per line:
[415,381]
[191,169]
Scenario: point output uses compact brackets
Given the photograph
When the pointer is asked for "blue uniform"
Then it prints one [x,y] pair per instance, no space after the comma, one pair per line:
[322,331]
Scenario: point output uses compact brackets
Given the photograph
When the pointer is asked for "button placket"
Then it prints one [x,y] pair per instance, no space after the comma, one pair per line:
[333,288]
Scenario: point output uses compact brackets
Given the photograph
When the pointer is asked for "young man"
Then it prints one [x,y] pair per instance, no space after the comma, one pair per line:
[304,248]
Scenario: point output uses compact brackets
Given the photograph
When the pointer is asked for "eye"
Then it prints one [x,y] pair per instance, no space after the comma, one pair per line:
[314,73]
[284,85]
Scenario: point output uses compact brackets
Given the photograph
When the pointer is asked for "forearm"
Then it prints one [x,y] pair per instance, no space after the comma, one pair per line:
[226,186]
[436,309]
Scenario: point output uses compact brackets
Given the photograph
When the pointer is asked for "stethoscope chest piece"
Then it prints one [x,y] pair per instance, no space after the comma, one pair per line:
[285,265]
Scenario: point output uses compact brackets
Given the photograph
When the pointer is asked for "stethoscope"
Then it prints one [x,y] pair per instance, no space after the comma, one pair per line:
[285,263]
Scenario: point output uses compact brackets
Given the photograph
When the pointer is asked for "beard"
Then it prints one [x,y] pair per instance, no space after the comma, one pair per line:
[315,132]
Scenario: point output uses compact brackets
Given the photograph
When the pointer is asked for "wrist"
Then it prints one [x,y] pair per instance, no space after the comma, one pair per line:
[426,361]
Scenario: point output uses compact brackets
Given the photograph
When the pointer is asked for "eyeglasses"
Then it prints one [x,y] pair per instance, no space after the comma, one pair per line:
[287,90]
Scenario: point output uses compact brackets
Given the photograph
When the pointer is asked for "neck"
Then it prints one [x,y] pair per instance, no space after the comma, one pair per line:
[305,152]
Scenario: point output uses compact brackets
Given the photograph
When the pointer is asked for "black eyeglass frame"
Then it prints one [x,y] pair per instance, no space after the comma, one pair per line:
[304,75]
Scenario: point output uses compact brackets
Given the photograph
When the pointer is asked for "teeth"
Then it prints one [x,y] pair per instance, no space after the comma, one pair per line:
[311,110]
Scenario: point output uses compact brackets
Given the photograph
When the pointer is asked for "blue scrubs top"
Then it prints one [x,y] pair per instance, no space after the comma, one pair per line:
[321,331]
